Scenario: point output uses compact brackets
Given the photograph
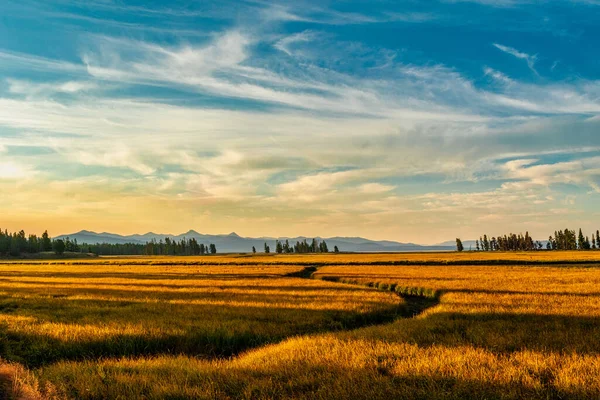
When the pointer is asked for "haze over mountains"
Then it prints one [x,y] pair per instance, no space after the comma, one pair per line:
[233,243]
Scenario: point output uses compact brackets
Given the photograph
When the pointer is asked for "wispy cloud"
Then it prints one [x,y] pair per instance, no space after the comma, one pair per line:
[530,59]
[492,3]
[32,89]
[287,42]
[498,76]
[312,13]
[220,68]
[42,64]
[10,170]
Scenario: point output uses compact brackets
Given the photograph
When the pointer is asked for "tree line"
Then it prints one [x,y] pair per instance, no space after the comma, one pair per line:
[166,247]
[18,243]
[562,240]
[315,246]
[184,247]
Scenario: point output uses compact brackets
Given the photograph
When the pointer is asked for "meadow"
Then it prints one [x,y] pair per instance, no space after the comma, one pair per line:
[307,326]
[320,259]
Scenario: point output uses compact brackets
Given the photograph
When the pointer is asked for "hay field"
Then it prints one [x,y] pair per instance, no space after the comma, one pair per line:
[109,330]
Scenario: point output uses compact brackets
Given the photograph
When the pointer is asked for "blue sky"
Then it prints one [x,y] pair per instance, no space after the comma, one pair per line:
[415,121]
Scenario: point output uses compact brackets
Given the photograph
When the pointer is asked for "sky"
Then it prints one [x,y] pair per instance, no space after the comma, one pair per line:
[417,121]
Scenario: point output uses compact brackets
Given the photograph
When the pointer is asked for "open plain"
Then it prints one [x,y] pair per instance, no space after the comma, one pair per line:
[414,325]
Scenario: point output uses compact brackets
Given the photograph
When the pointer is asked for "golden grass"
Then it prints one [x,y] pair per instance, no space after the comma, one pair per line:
[462,258]
[18,383]
[73,312]
[331,367]
[505,332]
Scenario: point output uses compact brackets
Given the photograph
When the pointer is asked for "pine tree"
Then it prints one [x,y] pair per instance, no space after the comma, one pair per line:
[314,247]
[59,246]
[459,245]
[581,240]
[46,242]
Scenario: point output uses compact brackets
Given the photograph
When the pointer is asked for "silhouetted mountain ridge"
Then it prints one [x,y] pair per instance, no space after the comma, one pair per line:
[233,243]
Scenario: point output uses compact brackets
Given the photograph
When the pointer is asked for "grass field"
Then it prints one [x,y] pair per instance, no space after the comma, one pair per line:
[258,327]
[429,258]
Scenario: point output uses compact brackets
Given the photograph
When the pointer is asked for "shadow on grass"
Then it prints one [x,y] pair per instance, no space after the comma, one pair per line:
[87,274]
[342,383]
[522,292]
[500,332]
[229,332]
[509,332]
[288,380]
[79,287]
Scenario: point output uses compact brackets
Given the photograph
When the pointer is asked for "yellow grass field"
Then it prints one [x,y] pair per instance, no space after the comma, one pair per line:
[444,258]
[277,327]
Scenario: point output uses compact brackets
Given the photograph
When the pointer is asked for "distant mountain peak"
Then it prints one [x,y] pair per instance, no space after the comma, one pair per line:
[234,243]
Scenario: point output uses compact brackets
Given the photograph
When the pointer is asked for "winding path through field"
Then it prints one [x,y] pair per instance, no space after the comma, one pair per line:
[412,306]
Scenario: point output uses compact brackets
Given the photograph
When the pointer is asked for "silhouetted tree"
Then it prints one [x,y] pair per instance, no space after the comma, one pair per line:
[586,243]
[323,247]
[459,245]
[46,242]
[59,246]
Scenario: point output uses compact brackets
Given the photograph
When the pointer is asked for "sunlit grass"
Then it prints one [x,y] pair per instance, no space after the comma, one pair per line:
[493,331]
[76,312]
[260,259]
[331,367]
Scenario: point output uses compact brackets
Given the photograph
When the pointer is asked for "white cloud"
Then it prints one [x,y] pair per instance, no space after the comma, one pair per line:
[11,170]
[33,89]
[530,59]
[31,62]
[498,76]
[529,172]
[285,44]
[375,188]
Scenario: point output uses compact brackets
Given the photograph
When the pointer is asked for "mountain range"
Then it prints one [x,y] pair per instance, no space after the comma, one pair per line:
[233,243]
